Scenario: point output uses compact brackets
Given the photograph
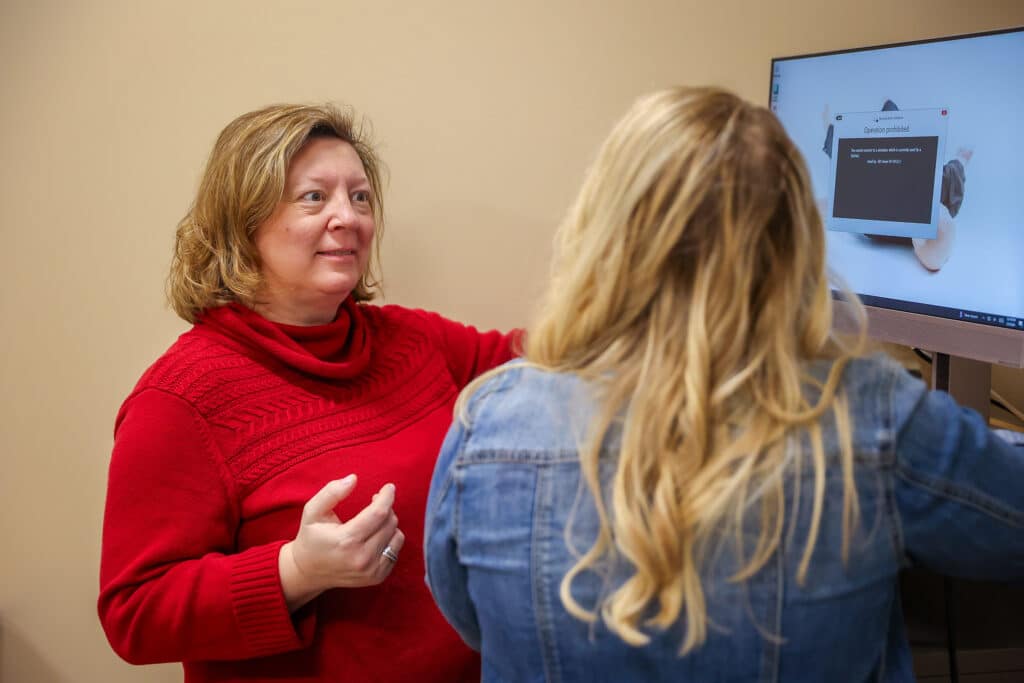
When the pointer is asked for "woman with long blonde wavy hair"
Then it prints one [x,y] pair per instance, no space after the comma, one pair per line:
[691,476]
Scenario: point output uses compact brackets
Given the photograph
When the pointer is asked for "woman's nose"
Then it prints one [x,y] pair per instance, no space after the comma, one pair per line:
[342,214]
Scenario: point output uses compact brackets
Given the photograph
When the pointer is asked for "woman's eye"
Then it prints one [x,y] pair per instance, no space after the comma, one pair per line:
[362,196]
[314,196]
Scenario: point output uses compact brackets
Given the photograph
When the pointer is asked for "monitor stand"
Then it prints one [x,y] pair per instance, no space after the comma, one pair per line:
[968,381]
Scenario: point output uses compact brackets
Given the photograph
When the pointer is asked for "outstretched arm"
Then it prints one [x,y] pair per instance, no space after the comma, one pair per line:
[958,493]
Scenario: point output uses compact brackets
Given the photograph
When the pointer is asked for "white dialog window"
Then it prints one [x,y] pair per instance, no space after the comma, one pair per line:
[886,172]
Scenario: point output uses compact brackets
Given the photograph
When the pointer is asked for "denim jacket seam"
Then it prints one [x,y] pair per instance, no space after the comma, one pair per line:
[773,647]
[962,494]
[883,659]
[452,486]
[896,537]
[442,494]
[428,523]
[477,401]
[887,417]
[447,488]
[517,456]
[455,476]
[539,582]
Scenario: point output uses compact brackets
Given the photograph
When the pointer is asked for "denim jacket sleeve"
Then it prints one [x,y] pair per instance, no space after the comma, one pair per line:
[958,489]
[446,577]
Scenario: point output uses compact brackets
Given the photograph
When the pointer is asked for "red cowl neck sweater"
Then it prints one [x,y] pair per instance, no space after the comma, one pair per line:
[220,445]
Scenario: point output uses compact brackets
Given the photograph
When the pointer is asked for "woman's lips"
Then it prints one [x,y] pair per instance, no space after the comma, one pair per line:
[337,253]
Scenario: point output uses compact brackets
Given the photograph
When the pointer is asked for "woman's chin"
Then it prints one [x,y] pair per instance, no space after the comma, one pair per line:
[338,286]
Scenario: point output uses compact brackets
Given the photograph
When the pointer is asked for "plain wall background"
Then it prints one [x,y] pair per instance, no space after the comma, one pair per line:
[486,113]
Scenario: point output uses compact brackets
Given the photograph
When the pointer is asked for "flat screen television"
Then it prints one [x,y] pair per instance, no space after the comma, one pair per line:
[916,154]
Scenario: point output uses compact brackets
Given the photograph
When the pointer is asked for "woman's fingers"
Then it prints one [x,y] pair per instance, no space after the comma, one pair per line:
[372,518]
[394,545]
[331,553]
[390,553]
[375,544]
[321,505]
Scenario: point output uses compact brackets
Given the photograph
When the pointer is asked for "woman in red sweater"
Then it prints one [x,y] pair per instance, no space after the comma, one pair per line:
[264,513]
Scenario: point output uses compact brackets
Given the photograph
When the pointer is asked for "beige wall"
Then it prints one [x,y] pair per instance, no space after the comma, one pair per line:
[487,113]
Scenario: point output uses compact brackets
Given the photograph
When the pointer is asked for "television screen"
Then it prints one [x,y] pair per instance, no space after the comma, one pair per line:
[916,154]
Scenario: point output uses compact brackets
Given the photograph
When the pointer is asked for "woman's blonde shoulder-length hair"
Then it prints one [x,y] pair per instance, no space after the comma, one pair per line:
[690,288]
[215,259]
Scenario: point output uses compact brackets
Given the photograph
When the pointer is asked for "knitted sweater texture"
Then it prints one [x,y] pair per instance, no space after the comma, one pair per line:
[216,451]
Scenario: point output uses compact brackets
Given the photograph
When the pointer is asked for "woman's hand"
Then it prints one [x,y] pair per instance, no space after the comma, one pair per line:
[328,553]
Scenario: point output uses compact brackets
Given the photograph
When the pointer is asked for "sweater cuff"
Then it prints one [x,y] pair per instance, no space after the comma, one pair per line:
[260,607]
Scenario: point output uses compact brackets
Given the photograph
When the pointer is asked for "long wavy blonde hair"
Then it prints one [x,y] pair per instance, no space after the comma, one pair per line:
[690,287]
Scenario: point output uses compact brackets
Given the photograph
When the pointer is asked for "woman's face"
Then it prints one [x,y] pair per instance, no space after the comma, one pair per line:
[316,245]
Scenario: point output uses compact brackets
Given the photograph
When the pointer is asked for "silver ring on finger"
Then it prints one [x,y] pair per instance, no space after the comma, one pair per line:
[389,554]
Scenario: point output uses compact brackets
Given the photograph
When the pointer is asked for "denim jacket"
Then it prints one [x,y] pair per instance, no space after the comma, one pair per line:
[935,486]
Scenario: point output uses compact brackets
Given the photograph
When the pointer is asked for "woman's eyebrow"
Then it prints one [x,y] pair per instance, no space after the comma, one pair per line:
[327,178]
[321,178]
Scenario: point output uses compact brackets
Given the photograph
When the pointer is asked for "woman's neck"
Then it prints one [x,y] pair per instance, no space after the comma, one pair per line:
[300,315]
